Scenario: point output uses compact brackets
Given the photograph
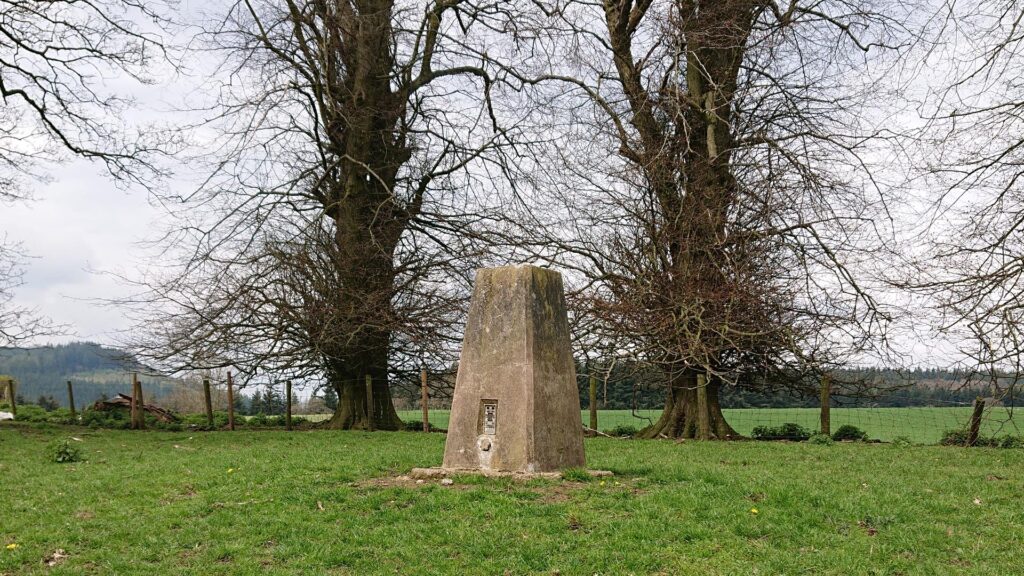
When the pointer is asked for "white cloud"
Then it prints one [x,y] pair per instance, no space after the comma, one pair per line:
[79,225]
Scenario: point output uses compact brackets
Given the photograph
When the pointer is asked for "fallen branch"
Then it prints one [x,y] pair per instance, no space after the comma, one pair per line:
[125,402]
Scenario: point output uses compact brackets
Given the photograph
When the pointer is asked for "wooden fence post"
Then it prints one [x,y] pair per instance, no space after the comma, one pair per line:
[208,398]
[11,397]
[231,403]
[703,417]
[975,430]
[425,399]
[369,402]
[288,405]
[71,401]
[134,412]
[826,405]
[142,407]
[593,401]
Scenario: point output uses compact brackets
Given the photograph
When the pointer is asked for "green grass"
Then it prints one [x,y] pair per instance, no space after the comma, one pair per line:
[268,503]
[922,425]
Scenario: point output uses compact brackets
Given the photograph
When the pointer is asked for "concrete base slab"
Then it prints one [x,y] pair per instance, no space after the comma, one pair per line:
[433,473]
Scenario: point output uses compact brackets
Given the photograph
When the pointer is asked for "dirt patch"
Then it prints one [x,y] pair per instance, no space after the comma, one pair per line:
[429,473]
[553,491]
[58,556]
[405,481]
[557,493]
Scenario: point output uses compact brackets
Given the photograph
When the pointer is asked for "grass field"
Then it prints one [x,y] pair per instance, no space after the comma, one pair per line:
[323,502]
[921,425]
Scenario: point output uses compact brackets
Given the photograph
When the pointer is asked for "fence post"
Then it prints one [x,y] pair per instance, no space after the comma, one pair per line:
[826,405]
[209,402]
[425,399]
[231,403]
[71,401]
[703,420]
[979,408]
[141,405]
[288,405]
[11,398]
[369,402]
[593,401]
[134,412]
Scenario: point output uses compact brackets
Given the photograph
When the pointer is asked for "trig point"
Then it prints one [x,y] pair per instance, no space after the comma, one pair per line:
[516,407]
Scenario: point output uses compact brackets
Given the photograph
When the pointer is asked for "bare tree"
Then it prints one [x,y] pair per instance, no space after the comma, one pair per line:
[972,267]
[55,60]
[338,224]
[17,323]
[725,243]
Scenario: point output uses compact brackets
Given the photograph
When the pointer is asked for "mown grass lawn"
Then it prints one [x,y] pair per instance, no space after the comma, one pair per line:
[320,502]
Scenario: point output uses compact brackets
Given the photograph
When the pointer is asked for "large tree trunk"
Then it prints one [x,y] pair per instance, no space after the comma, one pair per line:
[351,411]
[365,320]
[350,384]
[364,349]
[680,417]
[363,115]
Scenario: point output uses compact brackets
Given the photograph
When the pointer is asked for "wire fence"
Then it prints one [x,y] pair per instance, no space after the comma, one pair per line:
[922,425]
[889,418]
[925,407]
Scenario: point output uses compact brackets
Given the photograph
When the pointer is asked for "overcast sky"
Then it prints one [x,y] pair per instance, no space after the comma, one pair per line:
[80,227]
[77,226]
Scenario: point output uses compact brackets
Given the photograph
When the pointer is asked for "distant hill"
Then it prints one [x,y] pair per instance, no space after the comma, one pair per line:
[94,369]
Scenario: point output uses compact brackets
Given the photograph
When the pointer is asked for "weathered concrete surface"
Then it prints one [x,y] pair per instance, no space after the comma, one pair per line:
[516,406]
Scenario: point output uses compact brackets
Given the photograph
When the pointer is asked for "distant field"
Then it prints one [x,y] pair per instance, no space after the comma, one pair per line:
[923,425]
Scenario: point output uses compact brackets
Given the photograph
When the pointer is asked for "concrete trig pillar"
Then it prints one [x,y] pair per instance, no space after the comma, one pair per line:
[516,406]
